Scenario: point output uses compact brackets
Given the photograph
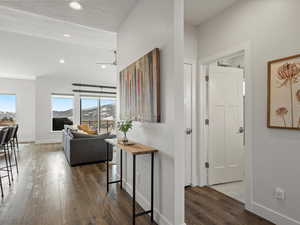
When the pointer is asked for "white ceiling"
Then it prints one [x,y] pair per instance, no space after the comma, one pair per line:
[44,27]
[101,14]
[198,11]
[32,45]
[24,56]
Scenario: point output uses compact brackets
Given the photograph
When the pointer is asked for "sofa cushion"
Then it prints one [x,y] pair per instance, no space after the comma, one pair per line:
[82,135]
[104,136]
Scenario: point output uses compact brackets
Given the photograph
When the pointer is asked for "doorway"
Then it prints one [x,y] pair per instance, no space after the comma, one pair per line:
[225,126]
[190,121]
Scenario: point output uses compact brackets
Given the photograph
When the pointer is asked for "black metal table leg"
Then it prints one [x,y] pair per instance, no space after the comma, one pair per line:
[152,185]
[107,167]
[133,191]
[121,168]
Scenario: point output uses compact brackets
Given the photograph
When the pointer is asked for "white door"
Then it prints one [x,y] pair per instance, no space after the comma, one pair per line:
[188,122]
[226,131]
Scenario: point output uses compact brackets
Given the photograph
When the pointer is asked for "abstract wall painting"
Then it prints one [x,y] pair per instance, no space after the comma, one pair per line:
[140,89]
[284,93]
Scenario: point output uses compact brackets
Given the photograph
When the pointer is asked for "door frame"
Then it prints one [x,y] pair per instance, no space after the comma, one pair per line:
[193,63]
[203,129]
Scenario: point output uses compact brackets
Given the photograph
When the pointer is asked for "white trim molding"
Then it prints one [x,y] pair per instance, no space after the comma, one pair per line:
[273,216]
[193,63]
[47,141]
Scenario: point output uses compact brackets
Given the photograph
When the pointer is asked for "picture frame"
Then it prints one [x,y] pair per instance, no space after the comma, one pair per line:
[139,88]
[284,93]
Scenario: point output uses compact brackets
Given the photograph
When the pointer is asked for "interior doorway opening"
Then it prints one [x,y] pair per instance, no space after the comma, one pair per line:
[190,122]
[225,121]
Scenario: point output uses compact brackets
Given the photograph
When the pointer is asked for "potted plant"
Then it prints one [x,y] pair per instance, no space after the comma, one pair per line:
[124,126]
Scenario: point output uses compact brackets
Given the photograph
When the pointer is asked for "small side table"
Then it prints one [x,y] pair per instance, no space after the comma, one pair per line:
[135,149]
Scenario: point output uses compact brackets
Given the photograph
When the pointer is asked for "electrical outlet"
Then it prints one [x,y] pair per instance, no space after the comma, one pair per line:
[279,194]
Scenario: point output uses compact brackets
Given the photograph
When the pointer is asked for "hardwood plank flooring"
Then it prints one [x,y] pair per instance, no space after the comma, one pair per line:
[205,206]
[50,192]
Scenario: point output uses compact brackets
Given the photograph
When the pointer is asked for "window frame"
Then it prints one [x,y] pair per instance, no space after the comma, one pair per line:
[16,100]
[98,106]
[69,96]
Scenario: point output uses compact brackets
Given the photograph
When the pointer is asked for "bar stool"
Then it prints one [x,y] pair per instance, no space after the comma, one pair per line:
[3,151]
[13,146]
[7,146]
[15,137]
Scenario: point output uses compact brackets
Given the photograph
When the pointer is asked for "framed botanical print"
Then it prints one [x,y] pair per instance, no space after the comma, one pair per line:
[284,93]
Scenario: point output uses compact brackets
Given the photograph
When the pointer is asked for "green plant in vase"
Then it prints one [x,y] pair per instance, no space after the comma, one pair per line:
[124,126]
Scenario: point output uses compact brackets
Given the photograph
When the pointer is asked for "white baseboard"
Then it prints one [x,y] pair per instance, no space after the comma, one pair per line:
[273,216]
[145,204]
[25,139]
[48,141]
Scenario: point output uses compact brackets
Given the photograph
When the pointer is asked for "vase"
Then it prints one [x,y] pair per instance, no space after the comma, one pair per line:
[125,140]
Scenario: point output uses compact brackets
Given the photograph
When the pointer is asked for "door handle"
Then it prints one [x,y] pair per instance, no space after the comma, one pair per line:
[241,130]
[188,131]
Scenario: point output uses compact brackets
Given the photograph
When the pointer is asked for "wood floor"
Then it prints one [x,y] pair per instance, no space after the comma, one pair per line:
[49,192]
[205,206]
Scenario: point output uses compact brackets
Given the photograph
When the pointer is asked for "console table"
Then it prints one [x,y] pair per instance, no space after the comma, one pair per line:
[135,149]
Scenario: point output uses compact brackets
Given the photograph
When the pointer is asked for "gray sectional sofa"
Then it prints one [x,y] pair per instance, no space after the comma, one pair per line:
[83,148]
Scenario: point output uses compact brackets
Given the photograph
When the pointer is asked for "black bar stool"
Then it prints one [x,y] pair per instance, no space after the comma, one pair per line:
[15,137]
[3,151]
[13,147]
[8,149]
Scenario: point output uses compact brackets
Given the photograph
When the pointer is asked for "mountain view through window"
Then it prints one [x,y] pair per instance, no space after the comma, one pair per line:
[98,113]
[62,112]
[7,109]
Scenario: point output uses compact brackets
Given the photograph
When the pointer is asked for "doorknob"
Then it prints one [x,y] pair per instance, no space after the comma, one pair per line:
[241,130]
[188,131]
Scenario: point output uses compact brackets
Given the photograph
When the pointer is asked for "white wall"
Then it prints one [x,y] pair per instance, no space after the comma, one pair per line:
[190,42]
[45,87]
[150,25]
[271,26]
[31,56]
[25,106]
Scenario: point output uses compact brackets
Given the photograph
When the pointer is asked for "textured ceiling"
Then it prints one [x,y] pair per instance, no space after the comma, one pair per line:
[198,11]
[101,14]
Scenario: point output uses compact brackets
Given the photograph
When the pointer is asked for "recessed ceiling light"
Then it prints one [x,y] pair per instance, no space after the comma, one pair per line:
[61,61]
[103,66]
[67,35]
[75,5]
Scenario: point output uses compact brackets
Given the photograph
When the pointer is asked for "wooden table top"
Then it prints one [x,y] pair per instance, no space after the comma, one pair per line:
[135,149]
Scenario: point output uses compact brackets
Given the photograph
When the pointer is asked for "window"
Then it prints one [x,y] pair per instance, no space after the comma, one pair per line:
[98,113]
[89,112]
[7,109]
[107,114]
[62,111]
